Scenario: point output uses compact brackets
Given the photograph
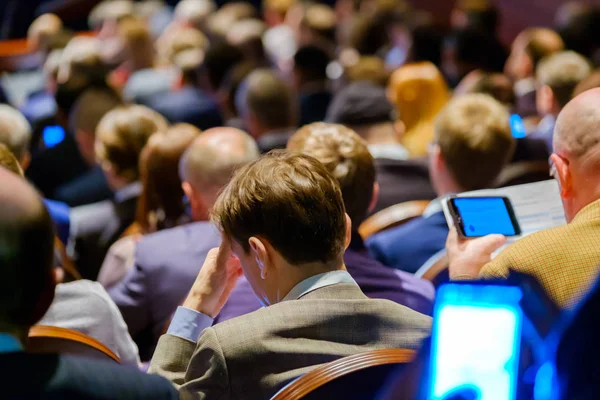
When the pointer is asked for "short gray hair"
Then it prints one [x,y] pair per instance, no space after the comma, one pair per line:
[211,160]
[15,131]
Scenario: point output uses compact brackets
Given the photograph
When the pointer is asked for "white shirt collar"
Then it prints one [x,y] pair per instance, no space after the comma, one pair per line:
[9,344]
[317,282]
[433,208]
[392,151]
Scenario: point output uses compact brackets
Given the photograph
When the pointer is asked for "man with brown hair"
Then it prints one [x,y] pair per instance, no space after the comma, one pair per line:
[266,103]
[473,142]
[347,157]
[557,75]
[284,218]
[120,137]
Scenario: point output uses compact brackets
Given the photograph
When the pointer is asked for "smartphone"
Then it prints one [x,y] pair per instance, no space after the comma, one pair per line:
[476,339]
[517,126]
[53,135]
[481,216]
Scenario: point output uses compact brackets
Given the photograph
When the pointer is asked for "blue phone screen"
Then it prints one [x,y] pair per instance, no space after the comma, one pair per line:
[484,216]
[517,126]
[476,341]
[53,135]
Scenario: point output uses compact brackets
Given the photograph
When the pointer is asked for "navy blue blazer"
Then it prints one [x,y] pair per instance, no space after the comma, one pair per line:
[409,246]
[190,105]
[166,266]
[90,187]
[313,107]
[51,376]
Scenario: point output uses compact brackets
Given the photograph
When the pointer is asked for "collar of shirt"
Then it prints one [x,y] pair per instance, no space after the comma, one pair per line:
[393,151]
[318,281]
[433,208]
[128,192]
[9,344]
[590,212]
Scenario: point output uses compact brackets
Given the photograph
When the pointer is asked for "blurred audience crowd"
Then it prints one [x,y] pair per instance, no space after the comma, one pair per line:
[161,132]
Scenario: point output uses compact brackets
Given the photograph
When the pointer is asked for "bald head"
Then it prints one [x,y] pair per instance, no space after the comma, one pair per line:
[26,254]
[577,131]
[209,162]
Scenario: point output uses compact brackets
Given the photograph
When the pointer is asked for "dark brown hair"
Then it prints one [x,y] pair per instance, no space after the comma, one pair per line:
[289,199]
[347,157]
[161,202]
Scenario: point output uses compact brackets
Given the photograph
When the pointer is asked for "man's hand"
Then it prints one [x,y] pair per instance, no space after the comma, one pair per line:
[216,279]
[467,256]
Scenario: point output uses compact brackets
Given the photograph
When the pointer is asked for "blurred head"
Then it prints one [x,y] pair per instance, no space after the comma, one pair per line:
[161,204]
[347,157]
[85,116]
[310,65]
[479,14]
[246,35]
[173,43]
[364,108]
[285,217]
[472,130]
[27,276]
[9,161]
[189,63]
[558,75]
[499,86]
[219,60]
[576,155]
[120,137]
[208,164]
[369,34]
[139,44]
[15,133]
[529,48]
[579,26]
[591,82]
[274,11]
[42,32]
[318,25]
[228,92]
[221,21]
[419,92]
[105,16]
[194,13]
[368,68]
[266,103]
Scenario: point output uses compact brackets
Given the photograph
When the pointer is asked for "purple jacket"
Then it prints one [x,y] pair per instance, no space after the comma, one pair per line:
[374,279]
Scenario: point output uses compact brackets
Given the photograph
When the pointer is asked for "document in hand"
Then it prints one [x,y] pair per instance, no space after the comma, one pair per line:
[537,205]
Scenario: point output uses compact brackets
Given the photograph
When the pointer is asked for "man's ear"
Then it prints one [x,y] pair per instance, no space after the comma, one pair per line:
[348,237]
[563,174]
[400,129]
[258,249]
[374,198]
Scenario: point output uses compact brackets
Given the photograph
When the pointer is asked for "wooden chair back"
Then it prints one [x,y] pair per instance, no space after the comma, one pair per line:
[523,172]
[359,376]
[52,339]
[436,272]
[392,216]
[66,263]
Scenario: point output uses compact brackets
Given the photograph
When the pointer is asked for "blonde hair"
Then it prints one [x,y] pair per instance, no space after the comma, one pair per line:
[419,92]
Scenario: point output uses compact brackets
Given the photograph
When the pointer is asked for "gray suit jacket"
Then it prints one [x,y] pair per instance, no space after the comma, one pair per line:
[255,355]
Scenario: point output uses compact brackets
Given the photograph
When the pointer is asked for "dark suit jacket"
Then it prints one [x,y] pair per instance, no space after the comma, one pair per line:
[88,188]
[189,105]
[409,246]
[166,265]
[50,376]
[402,180]
[95,227]
[253,356]
[313,106]
[374,279]
[275,140]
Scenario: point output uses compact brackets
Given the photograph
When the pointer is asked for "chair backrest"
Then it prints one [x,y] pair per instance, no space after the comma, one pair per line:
[523,172]
[359,376]
[392,216]
[52,339]
[436,271]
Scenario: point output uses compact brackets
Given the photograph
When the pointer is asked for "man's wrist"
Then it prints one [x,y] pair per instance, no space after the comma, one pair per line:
[198,302]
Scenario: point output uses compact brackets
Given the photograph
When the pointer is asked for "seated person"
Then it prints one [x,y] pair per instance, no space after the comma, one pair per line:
[265,103]
[120,138]
[15,134]
[473,142]
[167,262]
[284,218]
[346,155]
[85,115]
[364,108]
[83,305]
[27,290]
[564,259]
[310,81]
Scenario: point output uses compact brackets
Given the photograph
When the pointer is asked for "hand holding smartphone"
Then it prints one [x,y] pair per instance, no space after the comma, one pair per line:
[482,216]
